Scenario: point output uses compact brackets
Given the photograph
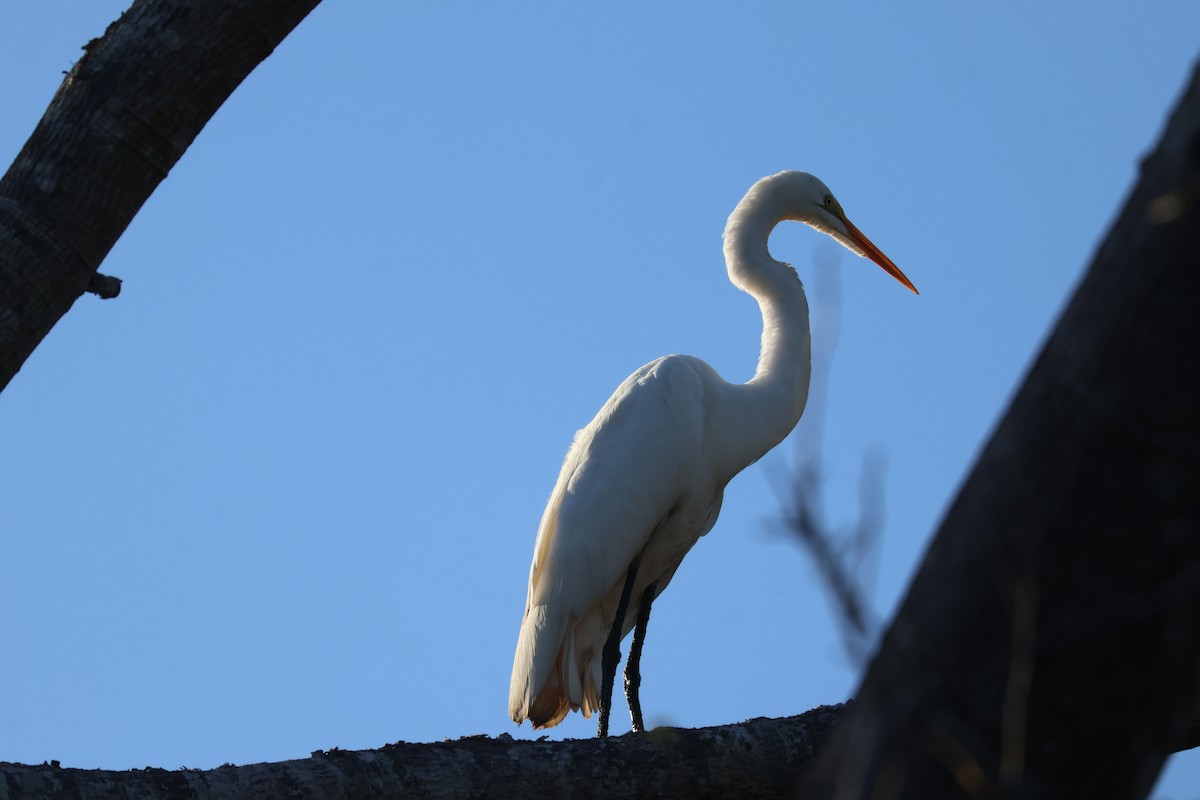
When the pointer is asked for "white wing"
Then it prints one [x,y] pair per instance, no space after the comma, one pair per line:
[623,477]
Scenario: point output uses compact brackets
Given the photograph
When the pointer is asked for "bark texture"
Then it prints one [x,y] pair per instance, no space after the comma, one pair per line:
[123,116]
[1049,646]
[761,758]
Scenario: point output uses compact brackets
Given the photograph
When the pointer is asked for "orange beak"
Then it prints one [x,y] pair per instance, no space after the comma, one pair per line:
[876,255]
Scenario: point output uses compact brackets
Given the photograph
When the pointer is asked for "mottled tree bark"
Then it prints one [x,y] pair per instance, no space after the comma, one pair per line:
[1049,646]
[760,758]
[123,116]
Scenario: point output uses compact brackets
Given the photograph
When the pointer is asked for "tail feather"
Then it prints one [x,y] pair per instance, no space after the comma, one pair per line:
[547,685]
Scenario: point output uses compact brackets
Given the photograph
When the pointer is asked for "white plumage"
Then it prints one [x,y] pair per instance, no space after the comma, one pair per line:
[644,480]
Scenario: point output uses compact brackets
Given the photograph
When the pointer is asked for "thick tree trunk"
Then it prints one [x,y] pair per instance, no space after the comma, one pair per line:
[123,116]
[762,758]
[1049,647]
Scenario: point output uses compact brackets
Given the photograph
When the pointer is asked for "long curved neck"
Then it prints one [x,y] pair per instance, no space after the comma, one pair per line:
[774,398]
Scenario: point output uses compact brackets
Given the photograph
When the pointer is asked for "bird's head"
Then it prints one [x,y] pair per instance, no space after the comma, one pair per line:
[804,198]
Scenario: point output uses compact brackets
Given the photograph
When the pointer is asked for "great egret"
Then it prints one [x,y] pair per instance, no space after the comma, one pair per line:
[644,480]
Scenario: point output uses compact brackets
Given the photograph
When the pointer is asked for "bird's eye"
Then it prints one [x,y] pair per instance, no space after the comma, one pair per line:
[829,201]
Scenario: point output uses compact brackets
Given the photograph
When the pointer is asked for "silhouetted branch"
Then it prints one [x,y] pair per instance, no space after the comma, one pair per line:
[124,114]
[1050,643]
[838,555]
[105,287]
[761,758]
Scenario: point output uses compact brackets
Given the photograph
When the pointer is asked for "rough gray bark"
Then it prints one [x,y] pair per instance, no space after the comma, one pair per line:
[1049,646]
[761,758]
[123,116]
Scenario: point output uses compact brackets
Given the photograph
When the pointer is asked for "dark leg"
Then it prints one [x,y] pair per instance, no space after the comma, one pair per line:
[612,652]
[633,674]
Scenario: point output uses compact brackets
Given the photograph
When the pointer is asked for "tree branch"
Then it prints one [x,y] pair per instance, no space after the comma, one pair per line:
[761,758]
[838,554]
[1050,644]
[123,116]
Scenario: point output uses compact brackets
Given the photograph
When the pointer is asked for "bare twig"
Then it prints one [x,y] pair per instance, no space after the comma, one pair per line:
[839,555]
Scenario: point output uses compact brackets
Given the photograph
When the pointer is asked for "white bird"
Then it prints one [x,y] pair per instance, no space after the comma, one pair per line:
[644,480]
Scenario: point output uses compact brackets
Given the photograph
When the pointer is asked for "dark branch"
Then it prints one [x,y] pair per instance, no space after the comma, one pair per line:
[760,758]
[105,287]
[1050,643]
[119,122]
[837,555]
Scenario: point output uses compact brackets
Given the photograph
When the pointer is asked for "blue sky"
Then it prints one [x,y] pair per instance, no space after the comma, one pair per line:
[281,495]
